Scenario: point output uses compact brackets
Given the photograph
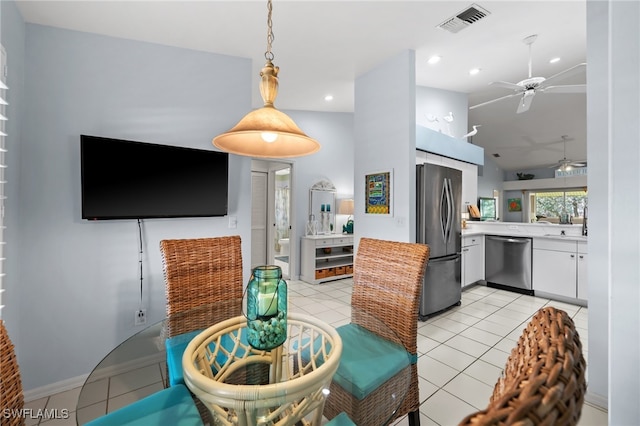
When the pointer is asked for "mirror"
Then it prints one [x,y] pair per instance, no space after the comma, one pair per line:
[322,205]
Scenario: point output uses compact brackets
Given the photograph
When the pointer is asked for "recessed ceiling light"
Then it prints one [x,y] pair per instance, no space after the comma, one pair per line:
[434,59]
[474,71]
[328,98]
[554,60]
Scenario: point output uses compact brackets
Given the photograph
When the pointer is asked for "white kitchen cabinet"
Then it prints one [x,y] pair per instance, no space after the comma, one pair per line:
[469,174]
[559,268]
[582,271]
[472,259]
[326,257]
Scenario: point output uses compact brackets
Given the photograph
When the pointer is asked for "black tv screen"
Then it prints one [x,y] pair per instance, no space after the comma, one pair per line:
[124,179]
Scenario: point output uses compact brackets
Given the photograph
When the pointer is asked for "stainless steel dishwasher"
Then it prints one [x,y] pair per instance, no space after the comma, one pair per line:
[508,263]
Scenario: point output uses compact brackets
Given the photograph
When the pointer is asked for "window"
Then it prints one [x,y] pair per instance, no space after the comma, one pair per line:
[552,204]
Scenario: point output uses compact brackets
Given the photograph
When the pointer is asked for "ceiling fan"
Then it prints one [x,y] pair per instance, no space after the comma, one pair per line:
[528,87]
[566,164]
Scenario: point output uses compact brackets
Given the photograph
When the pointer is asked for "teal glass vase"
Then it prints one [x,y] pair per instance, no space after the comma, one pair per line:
[266,308]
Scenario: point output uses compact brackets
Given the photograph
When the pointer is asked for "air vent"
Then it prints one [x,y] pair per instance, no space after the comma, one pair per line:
[469,16]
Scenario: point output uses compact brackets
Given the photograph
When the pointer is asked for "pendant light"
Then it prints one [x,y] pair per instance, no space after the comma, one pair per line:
[267,132]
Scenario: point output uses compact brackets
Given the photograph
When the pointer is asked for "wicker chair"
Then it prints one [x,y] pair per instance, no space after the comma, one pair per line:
[543,381]
[11,396]
[203,283]
[386,289]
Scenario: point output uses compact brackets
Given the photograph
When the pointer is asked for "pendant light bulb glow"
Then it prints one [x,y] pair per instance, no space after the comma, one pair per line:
[269,136]
[266,132]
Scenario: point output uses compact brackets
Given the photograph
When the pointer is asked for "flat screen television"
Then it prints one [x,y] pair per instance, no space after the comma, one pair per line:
[124,179]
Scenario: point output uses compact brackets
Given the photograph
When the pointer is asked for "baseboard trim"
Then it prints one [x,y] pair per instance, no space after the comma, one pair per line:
[78,381]
[53,388]
[597,400]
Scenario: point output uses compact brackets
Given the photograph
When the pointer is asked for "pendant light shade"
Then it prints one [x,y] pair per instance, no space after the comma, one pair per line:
[267,132]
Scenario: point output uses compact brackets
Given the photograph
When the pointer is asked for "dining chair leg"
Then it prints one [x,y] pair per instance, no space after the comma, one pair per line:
[414,418]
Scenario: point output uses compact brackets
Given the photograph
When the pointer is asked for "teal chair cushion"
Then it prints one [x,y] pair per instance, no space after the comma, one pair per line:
[367,360]
[175,347]
[171,406]
[341,420]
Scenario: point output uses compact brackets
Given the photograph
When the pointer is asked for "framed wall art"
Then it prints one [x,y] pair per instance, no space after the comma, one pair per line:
[379,193]
[515,204]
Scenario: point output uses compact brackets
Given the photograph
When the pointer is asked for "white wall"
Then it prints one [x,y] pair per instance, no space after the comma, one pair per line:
[439,103]
[77,281]
[613,147]
[334,161]
[385,139]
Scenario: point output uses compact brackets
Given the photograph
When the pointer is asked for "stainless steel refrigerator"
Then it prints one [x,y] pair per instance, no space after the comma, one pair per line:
[439,194]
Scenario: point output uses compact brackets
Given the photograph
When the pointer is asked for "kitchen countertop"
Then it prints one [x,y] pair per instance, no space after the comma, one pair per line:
[532,230]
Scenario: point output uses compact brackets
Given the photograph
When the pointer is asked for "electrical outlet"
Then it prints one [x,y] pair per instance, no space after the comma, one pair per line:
[140,317]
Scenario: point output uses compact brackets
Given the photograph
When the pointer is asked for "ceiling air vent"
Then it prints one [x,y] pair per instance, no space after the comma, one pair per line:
[469,16]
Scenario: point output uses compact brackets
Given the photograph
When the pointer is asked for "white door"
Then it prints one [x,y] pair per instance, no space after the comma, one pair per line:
[272,237]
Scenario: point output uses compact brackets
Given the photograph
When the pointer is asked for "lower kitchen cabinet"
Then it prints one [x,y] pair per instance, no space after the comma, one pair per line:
[559,268]
[472,259]
[582,271]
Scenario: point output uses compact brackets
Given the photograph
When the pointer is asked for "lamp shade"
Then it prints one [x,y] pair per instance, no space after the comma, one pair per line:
[252,134]
[266,132]
[345,206]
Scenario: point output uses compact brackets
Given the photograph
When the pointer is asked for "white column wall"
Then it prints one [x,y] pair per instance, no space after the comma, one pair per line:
[613,108]
[385,139]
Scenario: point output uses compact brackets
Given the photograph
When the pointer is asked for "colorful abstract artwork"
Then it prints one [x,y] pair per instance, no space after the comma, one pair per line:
[378,193]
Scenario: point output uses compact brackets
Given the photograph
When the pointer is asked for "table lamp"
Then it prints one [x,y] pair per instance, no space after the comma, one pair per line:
[346,207]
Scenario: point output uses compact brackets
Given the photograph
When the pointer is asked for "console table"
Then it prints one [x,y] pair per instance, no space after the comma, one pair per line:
[326,258]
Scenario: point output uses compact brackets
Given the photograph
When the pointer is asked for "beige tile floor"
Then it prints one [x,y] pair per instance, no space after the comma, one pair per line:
[461,354]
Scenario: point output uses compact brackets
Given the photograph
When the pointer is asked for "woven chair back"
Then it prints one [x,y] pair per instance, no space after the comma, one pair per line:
[387,283]
[11,397]
[200,272]
[543,382]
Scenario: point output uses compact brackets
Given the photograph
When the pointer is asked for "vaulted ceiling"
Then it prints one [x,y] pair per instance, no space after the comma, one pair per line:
[322,46]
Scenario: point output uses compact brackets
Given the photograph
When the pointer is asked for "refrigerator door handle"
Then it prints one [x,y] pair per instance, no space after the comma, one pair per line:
[445,258]
[443,210]
[449,209]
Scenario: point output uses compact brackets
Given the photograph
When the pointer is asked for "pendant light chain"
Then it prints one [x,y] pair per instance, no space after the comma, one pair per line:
[268,55]
[266,132]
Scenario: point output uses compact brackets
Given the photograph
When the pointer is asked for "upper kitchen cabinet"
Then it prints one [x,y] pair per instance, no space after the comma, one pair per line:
[469,174]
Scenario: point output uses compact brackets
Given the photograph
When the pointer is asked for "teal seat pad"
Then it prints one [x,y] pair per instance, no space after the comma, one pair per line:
[175,347]
[367,360]
[171,406]
[341,420]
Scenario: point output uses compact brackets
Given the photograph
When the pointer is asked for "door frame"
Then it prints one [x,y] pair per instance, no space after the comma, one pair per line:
[270,167]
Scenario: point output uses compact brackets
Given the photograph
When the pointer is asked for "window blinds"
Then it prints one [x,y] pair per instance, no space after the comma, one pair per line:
[3,151]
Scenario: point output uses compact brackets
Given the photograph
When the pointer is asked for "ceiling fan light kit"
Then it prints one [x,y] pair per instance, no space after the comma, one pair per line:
[530,86]
[566,164]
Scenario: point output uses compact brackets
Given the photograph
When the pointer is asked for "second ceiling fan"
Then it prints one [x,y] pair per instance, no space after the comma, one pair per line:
[528,87]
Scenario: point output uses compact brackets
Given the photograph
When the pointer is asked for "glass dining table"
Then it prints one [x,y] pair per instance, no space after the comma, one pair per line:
[137,368]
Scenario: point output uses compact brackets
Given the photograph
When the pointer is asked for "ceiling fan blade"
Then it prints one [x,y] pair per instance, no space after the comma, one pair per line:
[493,100]
[507,85]
[567,88]
[576,69]
[525,102]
